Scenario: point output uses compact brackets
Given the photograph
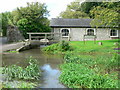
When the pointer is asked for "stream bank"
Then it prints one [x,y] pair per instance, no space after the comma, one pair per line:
[49,64]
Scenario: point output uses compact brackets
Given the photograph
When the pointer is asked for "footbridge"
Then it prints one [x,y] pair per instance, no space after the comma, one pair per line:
[47,37]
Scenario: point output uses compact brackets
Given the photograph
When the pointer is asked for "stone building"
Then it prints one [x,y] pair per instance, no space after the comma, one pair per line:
[80,29]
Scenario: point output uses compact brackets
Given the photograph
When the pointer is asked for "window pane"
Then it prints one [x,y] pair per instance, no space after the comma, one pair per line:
[90,32]
[113,33]
[65,32]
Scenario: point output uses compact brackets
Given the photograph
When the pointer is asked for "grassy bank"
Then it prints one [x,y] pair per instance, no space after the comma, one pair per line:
[89,65]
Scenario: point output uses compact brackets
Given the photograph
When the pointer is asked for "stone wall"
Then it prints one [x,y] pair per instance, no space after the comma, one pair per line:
[13,34]
[77,34]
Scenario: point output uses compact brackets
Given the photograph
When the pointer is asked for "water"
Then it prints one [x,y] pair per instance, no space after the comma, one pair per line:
[50,77]
[49,64]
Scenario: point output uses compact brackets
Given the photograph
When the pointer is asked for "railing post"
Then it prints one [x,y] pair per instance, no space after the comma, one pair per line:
[30,37]
[45,36]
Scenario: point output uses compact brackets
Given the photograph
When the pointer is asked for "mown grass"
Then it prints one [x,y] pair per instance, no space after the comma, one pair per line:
[89,46]
[89,65]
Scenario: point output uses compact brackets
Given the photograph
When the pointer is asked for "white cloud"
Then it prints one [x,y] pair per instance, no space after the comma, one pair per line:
[54,6]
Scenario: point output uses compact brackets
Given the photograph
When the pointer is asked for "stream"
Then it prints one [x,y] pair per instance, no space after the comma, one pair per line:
[49,64]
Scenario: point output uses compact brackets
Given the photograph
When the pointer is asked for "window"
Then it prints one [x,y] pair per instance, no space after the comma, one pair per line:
[114,33]
[65,32]
[90,32]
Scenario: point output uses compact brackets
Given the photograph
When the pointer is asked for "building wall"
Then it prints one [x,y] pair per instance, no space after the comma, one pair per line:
[77,34]
[103,34]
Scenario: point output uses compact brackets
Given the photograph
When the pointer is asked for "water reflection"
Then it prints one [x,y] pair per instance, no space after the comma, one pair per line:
[51,77]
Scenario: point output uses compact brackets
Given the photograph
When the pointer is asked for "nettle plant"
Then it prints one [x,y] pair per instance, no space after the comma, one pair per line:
[30,72]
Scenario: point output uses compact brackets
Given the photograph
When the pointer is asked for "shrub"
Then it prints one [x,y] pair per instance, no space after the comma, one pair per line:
[64,45]
[32,71]
[58,47]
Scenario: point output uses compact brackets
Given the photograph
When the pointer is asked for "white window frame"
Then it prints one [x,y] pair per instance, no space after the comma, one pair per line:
[65,28]
[113,36]
[91,28]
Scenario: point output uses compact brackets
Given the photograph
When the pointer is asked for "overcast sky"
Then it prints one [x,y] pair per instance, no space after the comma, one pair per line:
[54,6]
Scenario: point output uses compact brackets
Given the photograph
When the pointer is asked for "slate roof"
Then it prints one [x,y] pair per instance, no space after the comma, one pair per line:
[60,22]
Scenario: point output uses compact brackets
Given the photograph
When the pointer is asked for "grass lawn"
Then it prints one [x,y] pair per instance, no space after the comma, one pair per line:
[88,65]
[89,46]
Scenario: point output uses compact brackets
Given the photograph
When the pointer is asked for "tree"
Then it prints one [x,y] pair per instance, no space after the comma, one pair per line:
[32,18]
[4,22]
[87,6]
[73,14]
[108,14]
[73,11]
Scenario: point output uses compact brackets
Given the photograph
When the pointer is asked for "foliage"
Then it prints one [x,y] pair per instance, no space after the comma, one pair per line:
[106,17]
[59,47]
[73,11]
[51,48]
[31,71]
[73,14]
[102,13]
[64,45]
[79,76]
[4,22]
[87,6]
[33,18]
[106,14]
